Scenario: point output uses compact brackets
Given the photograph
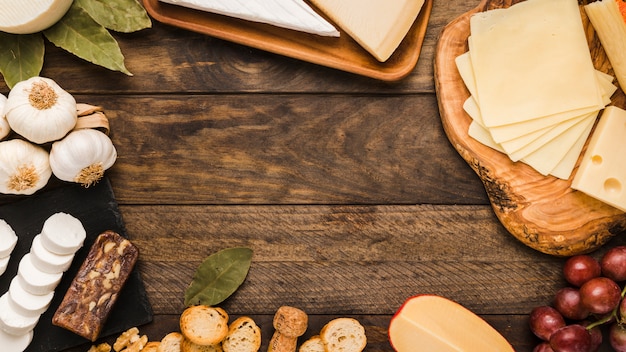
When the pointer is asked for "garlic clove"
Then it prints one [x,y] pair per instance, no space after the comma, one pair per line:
[5,129]
[82,156]
[24,167]
[40,110]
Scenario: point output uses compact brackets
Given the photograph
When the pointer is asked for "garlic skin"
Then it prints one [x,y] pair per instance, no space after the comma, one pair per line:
[5,129]
[24,167]
[40,110]
[82,156]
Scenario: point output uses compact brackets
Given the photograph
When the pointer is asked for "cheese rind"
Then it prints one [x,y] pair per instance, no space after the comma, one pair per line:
[378,26]
[31,16]
[290,14]
[602,172]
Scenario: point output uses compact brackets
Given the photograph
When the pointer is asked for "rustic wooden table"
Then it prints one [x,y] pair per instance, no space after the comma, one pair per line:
[345,187]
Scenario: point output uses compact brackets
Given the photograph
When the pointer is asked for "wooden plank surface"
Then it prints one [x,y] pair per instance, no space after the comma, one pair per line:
[346,188]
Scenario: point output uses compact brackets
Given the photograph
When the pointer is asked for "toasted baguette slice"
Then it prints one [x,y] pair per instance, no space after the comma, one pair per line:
[151,346]
[204,325]
[188,346]
[343,335]
[170,343]
[243,336]
[313,344]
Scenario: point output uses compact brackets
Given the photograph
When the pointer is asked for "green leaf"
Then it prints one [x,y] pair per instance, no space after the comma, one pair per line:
[219,276]
[119,15]
[79,34]
[21,56]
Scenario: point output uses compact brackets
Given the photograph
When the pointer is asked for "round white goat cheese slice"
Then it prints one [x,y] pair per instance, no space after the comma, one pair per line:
[4,264]
[13,322]
[12,343]
[34,280]
[62,234]
[27,303]
[47,261]
[8,239]
[31,16]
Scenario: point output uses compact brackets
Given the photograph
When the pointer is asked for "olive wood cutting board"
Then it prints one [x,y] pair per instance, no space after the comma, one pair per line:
[543,212]
[97,209]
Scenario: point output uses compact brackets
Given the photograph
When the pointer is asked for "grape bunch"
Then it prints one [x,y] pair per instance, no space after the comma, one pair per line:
[594,300]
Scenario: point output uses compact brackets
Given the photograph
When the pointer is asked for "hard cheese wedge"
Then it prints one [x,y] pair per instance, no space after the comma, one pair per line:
[434,323]
[290,14]
[378,26]
[31,16]
[601,173]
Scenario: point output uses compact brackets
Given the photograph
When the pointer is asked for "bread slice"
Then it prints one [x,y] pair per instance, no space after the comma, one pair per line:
[204,325]
[343,335]
[313,344]
[170,343]
[188,346]
[243,336]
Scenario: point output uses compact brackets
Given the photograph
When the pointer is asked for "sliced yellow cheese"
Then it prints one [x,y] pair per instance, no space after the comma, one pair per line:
[433,323]
[378,26]
[31,16]
[601,173]
[520,70]
[564,169]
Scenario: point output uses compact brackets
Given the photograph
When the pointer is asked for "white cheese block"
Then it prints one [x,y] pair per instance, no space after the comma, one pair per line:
[63,234]
[290,14]
[27,303]
[31,16]
[378,26]
[518,50]
[8,239]
[34,280]
[12,343]
[601,173]
[47,261]
[13,322]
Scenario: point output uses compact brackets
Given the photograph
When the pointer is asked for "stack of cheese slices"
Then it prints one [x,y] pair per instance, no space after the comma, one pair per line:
[8,240]
[535,93]
[39,273]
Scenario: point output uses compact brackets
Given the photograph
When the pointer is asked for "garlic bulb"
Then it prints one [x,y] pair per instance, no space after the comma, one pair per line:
[24,167]
[40,111]
[82,156]
[5,129]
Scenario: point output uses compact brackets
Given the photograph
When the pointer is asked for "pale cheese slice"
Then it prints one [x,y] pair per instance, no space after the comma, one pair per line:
[564,169]
[483,136]
[290,14]
[378,26]
[31,16]
[520,70]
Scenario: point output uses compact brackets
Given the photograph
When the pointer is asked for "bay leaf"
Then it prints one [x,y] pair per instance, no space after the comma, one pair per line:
[21,56]
[118,15]
[219,276]
[82,36]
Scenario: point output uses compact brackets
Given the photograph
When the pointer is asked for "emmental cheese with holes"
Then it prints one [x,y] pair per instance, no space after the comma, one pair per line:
[378,26]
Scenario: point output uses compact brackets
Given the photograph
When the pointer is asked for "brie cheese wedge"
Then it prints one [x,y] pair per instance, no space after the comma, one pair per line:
[290,14]
[31,16]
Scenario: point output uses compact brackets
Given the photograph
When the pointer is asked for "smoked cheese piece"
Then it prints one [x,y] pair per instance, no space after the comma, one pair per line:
[97,285]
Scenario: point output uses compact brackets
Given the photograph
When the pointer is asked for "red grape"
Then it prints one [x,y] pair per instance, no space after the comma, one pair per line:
[613,263]
[567,302]
[581,268]
[596,336]
[544,321]
[617,337]
[543,347]
[571,338]
[600,295]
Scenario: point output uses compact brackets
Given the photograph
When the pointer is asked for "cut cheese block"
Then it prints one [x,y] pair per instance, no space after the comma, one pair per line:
[25,302]
[34,280]
[12,343]
[434,323]
[13,322]
[8,239]
[62,234]
[378,26]
[601,173]
[290,14]
[31,16]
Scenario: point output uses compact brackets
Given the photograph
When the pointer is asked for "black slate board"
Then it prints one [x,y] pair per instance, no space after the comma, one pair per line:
[97,209]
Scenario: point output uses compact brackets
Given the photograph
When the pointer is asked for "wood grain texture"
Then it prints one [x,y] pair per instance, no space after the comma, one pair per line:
[542,212]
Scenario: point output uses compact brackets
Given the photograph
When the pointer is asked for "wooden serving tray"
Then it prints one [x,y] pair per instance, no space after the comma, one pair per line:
[544,213]
[341,53]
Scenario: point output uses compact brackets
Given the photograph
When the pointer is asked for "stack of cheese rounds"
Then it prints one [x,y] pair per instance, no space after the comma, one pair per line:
[535,93]
[39,273]
[8,240]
